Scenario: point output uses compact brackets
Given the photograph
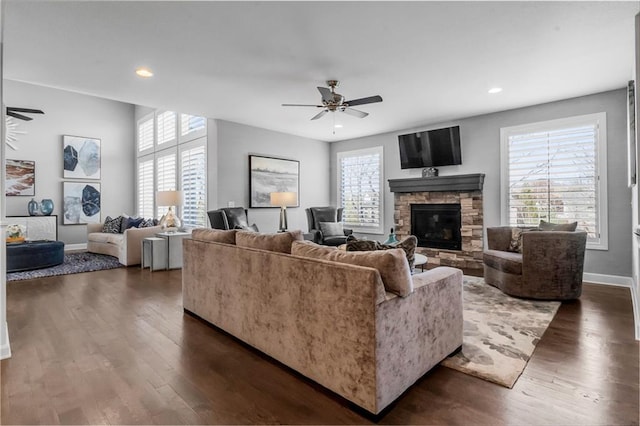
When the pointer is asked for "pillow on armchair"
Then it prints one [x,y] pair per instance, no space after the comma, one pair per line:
[332,229]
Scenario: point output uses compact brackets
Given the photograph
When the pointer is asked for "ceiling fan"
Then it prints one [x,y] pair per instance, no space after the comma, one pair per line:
[332,101]
[11,126]
[13,112]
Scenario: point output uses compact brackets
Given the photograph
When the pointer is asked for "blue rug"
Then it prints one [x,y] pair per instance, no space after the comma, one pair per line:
[74,263]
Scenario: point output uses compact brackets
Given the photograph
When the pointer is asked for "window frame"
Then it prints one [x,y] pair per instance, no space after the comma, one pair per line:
[196,134]
[169,142]
[601,242]
[379,230]
[152,147]
[143,159]
[186,146]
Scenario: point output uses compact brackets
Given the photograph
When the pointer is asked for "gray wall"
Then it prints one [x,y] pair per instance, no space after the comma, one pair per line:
[68,113]
[236,141]
[480,139]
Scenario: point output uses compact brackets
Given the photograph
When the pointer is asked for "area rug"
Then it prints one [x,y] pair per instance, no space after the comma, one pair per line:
[500,332]
[74,263]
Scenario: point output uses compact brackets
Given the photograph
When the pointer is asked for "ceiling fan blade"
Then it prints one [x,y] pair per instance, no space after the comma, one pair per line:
[355,112]
[362,101]
[304,105]
[19,116]
[320,114]
[28,110]
[327,96]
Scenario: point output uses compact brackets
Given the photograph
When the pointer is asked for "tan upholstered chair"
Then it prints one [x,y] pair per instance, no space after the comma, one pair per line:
[549,267]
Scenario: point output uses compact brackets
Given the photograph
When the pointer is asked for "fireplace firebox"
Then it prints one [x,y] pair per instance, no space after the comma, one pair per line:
[437,225]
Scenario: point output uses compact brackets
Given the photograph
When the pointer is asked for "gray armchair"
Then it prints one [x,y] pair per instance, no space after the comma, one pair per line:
[230,218]
[549,267]
[318,215]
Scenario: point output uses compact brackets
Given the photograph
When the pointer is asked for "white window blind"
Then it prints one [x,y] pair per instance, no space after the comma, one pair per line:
[193,164]
[145,188]
[190,124]
[166,125]
[360,189]
[554,174]
[165,176]
[145,134]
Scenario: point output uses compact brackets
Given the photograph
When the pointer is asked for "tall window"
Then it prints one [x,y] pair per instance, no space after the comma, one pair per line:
[193,172]
[168,162]
[360,189]
[556,171]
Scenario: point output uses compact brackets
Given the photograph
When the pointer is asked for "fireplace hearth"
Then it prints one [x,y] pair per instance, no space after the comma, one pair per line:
[437,225]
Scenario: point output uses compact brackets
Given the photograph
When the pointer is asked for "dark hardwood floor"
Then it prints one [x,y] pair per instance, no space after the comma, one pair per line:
[115,347]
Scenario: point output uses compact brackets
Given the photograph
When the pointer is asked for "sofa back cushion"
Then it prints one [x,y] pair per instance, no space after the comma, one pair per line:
[215,235]
[391,264]
[280,242]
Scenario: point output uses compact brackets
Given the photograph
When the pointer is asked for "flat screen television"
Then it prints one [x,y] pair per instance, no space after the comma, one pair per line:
[431,148]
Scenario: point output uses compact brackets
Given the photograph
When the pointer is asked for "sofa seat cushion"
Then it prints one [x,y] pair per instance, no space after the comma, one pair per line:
[391,264]
[226,236]
[280,242]
[104,237]
[504,261]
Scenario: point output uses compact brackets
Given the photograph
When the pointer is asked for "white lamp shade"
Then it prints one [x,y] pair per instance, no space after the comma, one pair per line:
[284,199]
[169,198]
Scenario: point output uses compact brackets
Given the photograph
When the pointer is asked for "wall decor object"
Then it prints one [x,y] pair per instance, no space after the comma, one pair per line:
[33,207]
[81,203]
[81,157]
[20,177]
[267,175]
[46,206]
[631,132]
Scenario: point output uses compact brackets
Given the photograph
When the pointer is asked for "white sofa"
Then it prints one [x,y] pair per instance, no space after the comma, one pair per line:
[126,246]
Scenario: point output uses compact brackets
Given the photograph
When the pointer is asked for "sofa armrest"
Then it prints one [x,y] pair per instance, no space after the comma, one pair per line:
[545,254]
[130,253]
[317,236]
[94,227]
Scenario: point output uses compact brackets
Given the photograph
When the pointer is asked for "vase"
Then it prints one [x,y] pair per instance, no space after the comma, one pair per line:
[392,239]
[46,206]
[33,207]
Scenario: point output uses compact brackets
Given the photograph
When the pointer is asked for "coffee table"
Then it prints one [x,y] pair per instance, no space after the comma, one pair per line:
[420,260]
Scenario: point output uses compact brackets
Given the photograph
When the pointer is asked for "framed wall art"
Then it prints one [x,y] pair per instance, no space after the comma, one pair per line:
[20,178]
[267,175]
[81,157]
[80,203]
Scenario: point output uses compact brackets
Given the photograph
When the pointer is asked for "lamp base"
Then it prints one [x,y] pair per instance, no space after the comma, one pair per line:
[283,219]
[170,222]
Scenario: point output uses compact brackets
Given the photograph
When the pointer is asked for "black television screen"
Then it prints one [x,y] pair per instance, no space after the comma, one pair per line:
[431,148]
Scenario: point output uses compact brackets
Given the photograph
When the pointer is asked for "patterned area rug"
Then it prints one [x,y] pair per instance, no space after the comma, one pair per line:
[74,263]
[500,332]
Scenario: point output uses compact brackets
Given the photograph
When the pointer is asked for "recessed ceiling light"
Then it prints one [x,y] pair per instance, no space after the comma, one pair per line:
[338,126]
[495,90]
[144,72]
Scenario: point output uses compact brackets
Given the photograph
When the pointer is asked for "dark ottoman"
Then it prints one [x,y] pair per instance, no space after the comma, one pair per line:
[34,255]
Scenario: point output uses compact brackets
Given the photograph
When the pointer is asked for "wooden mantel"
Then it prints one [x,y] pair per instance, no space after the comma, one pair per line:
[471,182]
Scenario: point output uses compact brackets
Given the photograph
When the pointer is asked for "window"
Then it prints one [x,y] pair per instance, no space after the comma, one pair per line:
[166,125]
[190,124]
[193,175]
[145,187]
[145,134]
[556,171]
[360,189]
[165,175]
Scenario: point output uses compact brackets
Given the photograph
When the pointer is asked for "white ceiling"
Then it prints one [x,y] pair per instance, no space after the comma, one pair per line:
[239,61]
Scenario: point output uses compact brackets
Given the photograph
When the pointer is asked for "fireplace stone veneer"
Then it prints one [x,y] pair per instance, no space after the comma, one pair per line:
[433,190]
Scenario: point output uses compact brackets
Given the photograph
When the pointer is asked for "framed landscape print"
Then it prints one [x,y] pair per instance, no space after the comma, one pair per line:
[81,157]
[20,177]
[267,175]
[81,203]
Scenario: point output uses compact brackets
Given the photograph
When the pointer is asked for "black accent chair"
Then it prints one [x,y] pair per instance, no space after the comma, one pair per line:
[230,218]
[315,215]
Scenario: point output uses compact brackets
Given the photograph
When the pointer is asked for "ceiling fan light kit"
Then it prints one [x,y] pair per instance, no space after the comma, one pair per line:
[332,102]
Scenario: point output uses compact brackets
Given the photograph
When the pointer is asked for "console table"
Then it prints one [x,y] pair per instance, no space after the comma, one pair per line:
[38,227]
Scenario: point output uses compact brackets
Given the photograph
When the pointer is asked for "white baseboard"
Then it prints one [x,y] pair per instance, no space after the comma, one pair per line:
[616,280]
[5,348]
[69,247]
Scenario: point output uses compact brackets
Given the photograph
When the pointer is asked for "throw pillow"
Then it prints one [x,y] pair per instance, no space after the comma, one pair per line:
[112,226]
[517,234]
[391,264]
[215,235]
[132,222]
[548,226]
[280,242]
[147,223]
[409,245]
[332,229]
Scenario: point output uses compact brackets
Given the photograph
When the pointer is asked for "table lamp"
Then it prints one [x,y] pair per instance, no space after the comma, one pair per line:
[282,200]
[170,221]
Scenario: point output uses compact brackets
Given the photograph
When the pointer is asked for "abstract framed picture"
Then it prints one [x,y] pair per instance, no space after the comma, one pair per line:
[20,177]
[81,157]
[80,203]
[267,175]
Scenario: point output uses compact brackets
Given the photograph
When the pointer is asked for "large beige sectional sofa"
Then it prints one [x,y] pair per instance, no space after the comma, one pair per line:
[331,321]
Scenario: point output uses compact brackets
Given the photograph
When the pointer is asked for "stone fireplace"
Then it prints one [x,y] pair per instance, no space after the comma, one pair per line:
[445,214]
